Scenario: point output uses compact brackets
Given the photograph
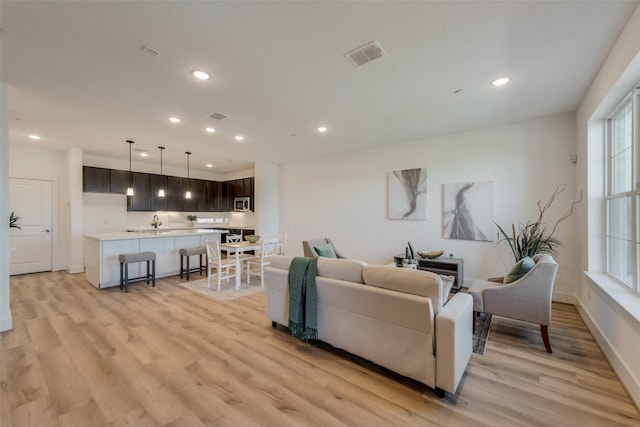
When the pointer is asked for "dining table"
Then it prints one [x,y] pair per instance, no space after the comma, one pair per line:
[238,248]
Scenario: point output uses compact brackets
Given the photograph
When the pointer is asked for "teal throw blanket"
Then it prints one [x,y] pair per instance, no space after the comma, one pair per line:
[303,320]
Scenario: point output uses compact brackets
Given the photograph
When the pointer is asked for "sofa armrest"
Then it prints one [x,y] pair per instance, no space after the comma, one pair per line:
[454,338]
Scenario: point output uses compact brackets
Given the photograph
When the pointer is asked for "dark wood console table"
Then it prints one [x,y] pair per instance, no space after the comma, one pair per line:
[443,265]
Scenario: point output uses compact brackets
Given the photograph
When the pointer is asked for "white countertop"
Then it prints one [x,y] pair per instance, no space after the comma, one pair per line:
[152,234]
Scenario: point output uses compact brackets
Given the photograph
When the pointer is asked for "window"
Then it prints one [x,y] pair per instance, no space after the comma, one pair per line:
[623,192]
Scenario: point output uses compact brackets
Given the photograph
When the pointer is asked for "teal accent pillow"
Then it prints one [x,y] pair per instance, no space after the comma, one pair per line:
[519,269]
[326,251]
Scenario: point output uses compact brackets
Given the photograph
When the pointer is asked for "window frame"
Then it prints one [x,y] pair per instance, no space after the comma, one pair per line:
[632,99]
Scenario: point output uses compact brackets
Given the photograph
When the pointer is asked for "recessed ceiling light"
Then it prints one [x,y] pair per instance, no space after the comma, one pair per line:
[174,120]
[239,138]
[36,137]
[210,130]
[209,165]
[144,154]
[322,129]
[200,75]
[501,81]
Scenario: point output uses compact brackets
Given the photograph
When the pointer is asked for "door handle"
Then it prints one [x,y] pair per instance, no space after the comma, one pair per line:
[46,231]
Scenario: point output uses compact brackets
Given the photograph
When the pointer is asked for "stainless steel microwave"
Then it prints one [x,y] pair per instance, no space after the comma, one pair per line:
[242,204]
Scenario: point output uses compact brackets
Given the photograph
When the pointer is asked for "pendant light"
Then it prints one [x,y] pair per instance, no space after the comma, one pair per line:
[161,190]
[187,194]
[130,188]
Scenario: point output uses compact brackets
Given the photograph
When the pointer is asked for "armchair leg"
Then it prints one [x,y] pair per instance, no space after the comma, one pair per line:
[544,331]
[475,314]
[439,392]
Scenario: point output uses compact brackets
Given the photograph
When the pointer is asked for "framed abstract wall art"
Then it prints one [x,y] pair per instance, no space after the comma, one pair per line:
[407,194]
[468,210]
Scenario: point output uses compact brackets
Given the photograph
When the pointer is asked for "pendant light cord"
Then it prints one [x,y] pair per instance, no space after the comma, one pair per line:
[130,172]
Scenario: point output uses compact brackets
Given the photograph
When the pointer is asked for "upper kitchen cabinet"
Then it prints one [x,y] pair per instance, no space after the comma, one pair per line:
[217,196]
[95,180]
[206,196]
[141,200]
[200,186]
[156,183]
[119,181]
[242,187]
[189,205]
[175,195]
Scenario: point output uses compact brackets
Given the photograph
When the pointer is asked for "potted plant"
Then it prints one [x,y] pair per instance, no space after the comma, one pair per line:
[534,237]
[192,219]
[13,221]
[409,260]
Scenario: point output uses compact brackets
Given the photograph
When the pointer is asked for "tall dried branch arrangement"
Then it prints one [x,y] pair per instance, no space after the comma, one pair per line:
[534,237]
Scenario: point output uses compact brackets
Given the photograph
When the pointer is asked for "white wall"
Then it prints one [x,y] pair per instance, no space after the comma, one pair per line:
[6,321]
[72,211]
[345,197]
[267,198]
[617,331]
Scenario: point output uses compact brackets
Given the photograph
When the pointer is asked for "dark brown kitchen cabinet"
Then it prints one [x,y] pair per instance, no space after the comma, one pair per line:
[141,199]
[119,181]
[207,196]
[189,205]
[175,195]
[201,195]
[211,195]
[248,187]
[226,197]
[156,183]
[95,180]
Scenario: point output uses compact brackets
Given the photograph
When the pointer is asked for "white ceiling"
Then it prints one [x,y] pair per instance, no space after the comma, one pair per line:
[78,77]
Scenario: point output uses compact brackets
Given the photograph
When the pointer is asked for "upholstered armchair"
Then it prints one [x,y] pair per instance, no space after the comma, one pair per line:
[309,247]
[527,299]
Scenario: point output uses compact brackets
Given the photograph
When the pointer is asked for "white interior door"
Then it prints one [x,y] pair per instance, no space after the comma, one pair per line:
[30,246]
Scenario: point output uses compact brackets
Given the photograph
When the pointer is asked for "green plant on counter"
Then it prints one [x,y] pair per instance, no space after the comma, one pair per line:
[13,221]
[192,217]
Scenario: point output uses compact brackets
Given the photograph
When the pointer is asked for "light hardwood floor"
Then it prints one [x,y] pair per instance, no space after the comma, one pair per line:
[79,356]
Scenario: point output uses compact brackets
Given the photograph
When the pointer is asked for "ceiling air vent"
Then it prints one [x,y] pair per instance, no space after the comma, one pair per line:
[216,116]
[366,53]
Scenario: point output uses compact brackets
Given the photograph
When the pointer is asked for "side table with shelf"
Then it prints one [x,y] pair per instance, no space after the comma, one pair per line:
[443,265]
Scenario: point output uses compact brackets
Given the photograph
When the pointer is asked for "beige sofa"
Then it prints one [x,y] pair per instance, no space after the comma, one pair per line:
[397,318]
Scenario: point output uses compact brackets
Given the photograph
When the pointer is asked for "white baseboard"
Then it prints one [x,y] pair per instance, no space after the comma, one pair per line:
[627,380]
[6,323]
[75,269]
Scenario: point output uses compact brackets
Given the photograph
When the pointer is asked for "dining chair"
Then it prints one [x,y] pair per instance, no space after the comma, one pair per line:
[263,259]
[234,238]
[237,238]
[282,244]
[215,260]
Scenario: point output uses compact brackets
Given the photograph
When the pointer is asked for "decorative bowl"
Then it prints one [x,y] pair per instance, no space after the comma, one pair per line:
[251,238]
[430,254]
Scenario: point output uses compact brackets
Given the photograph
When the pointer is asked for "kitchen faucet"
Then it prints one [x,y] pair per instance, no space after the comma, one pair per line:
[156,222]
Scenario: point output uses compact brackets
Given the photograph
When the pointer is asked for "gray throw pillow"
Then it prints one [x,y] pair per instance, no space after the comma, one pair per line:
[326,250]
[519,269]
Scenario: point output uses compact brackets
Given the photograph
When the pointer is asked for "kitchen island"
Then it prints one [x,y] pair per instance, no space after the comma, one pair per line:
[101,250]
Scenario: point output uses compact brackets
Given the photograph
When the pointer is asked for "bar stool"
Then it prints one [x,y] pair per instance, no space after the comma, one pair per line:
[126,259]
[188,252]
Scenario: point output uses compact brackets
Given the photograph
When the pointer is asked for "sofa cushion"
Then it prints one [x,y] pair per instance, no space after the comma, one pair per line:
[519,269]
[416,282]
[349,270]
[326,250]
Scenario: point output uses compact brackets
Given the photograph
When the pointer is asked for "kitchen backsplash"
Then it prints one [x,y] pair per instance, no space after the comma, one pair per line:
[107,213]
